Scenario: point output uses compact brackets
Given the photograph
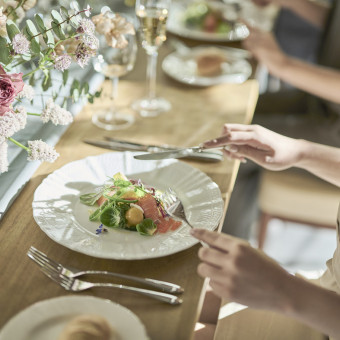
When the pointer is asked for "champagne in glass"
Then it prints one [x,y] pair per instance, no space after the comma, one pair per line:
[153,27]
[152,15]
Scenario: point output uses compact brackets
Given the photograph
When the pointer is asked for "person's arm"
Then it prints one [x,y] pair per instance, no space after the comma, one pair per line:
[276,152]
[315,12]
[246,275]
[317,80]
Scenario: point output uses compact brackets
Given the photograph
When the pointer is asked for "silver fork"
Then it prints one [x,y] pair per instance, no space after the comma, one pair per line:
[175,208]
[44,261]
[76,285]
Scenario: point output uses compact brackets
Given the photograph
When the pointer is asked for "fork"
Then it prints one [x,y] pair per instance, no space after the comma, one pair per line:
[76,285]
[174,208]
[44,261]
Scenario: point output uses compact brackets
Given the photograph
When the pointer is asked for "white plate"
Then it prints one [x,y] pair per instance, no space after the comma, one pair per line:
[183,67]
[59,213]
[176,24]
[45,320]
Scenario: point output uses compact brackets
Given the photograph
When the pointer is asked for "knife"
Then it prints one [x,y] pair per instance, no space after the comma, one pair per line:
[121,145]
[195,151]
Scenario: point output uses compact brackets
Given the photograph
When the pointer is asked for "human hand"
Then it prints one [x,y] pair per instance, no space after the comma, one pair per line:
[265,147]
[241,273]
[265,49]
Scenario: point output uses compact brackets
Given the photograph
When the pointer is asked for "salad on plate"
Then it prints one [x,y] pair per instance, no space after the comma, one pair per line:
[131,205]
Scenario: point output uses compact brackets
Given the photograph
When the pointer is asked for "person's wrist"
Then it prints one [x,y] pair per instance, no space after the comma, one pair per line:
[287,302]
[303,150]
[279,67]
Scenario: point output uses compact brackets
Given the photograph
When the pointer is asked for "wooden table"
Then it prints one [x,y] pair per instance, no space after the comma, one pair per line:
[197,114]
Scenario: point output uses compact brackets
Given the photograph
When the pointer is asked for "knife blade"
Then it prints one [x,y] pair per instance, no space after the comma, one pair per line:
[196,152]
[139,146]
[119,145]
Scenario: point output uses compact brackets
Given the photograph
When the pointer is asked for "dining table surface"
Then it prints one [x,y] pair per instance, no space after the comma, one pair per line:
[197,114]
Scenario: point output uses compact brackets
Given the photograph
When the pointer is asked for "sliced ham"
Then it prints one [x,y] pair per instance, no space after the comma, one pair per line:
[149,206]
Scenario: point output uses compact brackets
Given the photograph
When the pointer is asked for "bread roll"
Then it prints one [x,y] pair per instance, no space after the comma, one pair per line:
[88,327]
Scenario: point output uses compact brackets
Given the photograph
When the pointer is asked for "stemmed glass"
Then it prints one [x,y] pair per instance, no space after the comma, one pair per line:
[114,63]
[152,15]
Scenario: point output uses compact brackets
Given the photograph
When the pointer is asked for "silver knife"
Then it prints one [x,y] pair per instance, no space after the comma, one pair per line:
[119,145]
[195,151]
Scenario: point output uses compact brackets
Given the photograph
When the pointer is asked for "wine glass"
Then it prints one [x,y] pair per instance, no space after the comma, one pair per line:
[152,15]
[114,63]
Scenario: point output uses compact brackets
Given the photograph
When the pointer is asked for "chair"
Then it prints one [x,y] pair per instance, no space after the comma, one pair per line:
[296,196]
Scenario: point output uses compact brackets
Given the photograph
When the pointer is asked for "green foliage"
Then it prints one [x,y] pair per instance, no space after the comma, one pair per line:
[12,29]
[5,57]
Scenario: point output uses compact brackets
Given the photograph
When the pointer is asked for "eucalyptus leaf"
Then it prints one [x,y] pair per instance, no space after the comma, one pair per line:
[35,46]
[58,30]
[56,16]
[64,12]
[65,77]
[5,56]
[12,29]
[49,39]
[40,23]
[26,56]
[31,27]
[75,95]
[47,82]
[85,88]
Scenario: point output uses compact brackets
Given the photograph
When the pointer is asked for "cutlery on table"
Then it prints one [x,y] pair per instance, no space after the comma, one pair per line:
[76,285]
[174,207]
[199,154]
[194,151]
[45,262]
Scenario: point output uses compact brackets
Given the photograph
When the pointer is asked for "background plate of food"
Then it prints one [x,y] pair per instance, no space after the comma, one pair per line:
[62,215]
[211,21]
[69,317]
[206,66]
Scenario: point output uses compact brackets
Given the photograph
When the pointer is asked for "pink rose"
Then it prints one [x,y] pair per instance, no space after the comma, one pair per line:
[10,86]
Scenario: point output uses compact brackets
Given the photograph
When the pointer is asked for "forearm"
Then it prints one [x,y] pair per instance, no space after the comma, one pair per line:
[321,160]
[317,80]
[315,12]
[312,305]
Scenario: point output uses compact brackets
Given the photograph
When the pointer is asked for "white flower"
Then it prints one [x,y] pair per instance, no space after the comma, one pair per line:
[20,44]
[26,92]
[86,26]
[56,114]
[62,62]
[40,151]
[83,54]
[88,10]
[21,116]
[3,155]
[11,122]
[91,41]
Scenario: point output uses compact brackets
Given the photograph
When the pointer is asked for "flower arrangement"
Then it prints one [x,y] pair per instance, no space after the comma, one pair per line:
[28,57]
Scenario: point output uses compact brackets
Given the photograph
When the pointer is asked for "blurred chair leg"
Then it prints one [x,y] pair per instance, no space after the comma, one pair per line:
[263,226]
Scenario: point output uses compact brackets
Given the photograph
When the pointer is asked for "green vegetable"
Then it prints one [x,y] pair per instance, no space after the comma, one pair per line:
[147,227]
[111,217]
